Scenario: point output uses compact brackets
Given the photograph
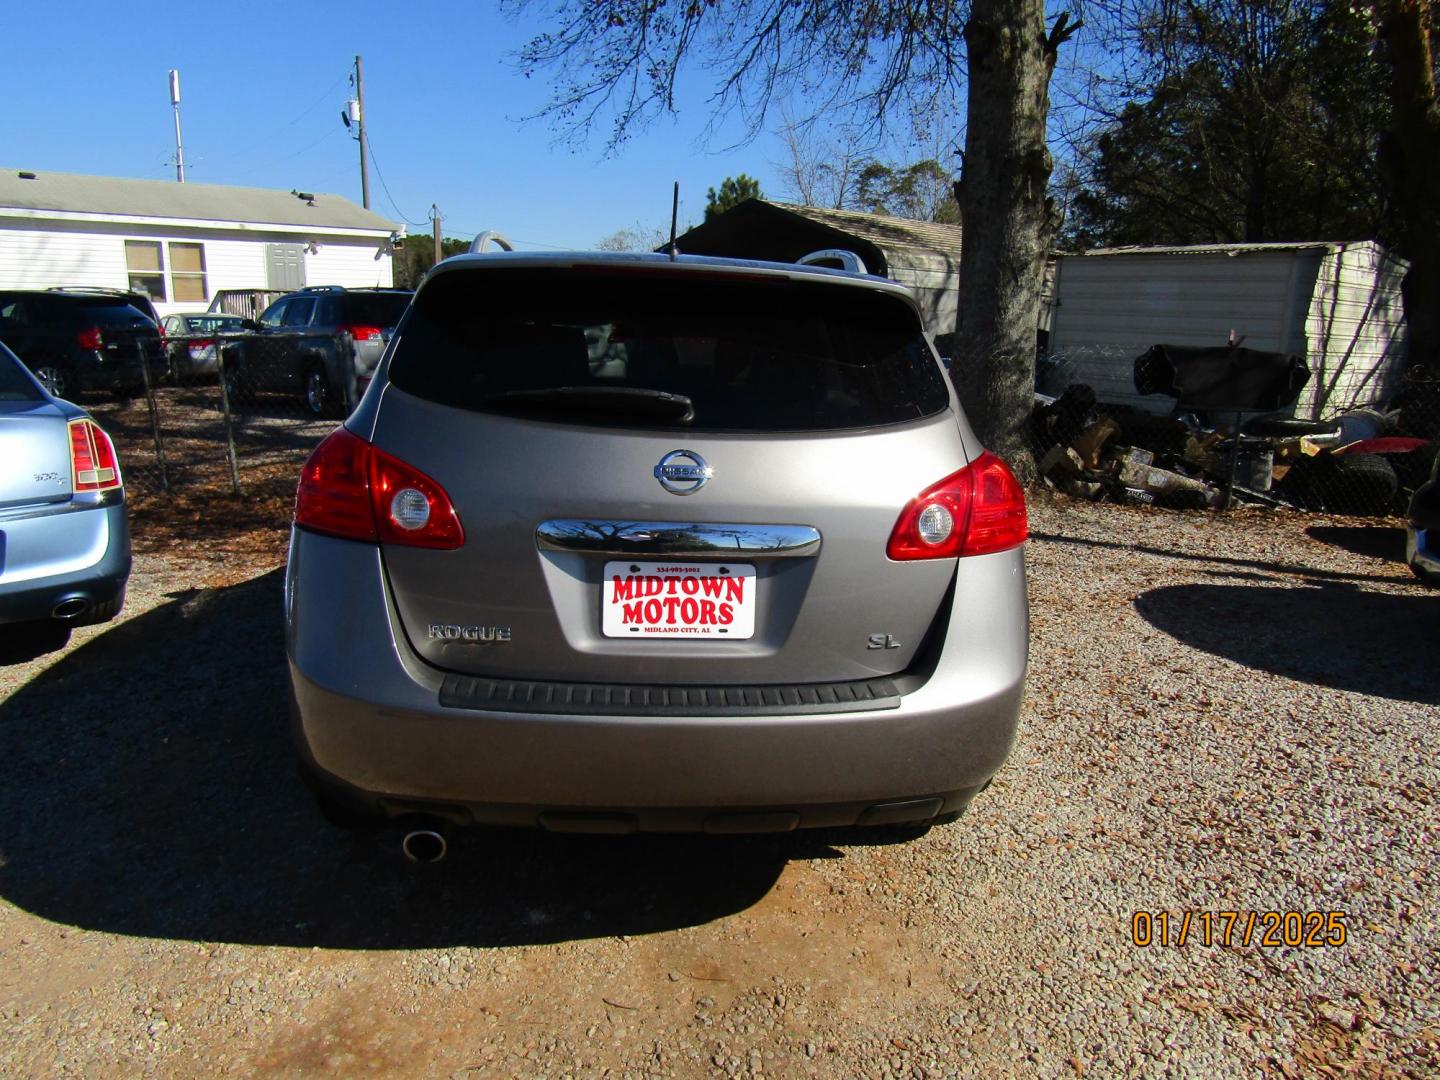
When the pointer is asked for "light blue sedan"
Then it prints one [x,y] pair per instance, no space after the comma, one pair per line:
[64,538]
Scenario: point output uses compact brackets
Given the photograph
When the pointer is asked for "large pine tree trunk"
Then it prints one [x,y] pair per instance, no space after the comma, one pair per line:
[1006,217]
[1410,160]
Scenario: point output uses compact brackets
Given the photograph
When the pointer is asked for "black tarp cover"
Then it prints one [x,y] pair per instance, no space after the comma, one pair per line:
[1222,377]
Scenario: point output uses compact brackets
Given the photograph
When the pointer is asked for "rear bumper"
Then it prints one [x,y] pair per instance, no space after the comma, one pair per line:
[124,375]
[99,586]
[368,722]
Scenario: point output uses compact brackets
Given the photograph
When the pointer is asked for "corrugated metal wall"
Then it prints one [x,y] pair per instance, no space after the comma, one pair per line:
[1355,328]
[1338,307]
[933,278]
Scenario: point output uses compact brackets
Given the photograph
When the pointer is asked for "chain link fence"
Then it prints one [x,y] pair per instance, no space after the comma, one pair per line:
[204,417]
[1352,444]
[234,416]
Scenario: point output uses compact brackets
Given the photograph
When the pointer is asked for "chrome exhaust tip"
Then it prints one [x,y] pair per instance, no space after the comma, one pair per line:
[71,608]
[424,845]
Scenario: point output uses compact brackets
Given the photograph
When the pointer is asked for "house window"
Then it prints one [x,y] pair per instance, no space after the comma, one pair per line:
[187,272]
[147,275]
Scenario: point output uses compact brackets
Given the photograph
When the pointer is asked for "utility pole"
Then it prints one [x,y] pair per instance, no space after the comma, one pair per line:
[435,227]
[360,129]
[179,146]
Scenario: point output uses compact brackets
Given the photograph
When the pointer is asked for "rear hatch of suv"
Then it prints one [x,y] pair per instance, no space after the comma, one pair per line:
[111,327]
[623,442]
[370,319]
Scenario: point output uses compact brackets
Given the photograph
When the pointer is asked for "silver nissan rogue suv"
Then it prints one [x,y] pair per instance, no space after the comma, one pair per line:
[619,543]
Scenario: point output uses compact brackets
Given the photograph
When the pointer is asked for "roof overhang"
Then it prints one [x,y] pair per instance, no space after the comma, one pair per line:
[27,214]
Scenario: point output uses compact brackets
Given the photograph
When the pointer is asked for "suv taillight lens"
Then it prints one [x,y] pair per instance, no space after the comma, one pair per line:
[361,333]
[356,491]
[90,339]
[975,511]
[93,464]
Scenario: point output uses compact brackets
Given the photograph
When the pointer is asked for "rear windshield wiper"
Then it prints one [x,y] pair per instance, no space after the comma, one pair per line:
[610,399]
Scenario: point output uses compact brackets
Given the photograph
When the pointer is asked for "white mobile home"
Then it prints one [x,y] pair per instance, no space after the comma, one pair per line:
[1336,304]
[182,243]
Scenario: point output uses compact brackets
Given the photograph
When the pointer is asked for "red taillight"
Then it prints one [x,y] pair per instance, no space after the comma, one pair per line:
[975,511]
[89,339]
[356,491]
[93,465]
[361,333]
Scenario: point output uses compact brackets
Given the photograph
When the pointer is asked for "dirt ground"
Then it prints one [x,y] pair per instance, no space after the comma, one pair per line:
[1223,713]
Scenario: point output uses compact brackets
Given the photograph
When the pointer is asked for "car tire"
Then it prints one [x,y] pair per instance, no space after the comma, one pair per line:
[1288,427]
[1362,484]
[321,400]
[57,378]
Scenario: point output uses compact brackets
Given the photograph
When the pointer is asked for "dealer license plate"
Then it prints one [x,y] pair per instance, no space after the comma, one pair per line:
[677,599]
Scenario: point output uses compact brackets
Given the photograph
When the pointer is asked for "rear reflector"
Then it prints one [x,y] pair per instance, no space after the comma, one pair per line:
[356,491]
[975,511]
[93,464]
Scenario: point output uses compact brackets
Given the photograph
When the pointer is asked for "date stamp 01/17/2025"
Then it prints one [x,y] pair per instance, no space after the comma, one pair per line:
[1265,929]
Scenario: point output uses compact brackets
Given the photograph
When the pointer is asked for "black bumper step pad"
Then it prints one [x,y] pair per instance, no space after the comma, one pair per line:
[608,699]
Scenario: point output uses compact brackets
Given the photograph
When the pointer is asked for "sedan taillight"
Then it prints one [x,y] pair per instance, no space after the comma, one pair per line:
[93,464]
[356,491]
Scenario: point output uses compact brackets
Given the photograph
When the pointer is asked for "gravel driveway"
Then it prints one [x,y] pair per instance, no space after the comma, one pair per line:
[1224,713]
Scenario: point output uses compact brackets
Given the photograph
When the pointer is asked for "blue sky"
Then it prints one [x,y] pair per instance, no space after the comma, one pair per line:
[263,87]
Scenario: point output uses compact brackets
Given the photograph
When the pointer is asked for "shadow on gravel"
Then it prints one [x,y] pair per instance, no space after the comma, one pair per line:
[1262,565]
[147,787]
[1376,541]
[1334,635]
[22,642]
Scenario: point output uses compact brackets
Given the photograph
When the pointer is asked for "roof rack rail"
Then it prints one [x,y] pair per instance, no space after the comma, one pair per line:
[834,259]
[489,236]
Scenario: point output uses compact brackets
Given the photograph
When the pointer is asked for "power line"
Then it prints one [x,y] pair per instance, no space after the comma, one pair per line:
[279,161]
[292,122]
[548,247]
[390,198]
[452,228]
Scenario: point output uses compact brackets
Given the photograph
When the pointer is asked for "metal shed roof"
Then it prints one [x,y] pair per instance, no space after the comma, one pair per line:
[70,193]
[1219,249]
[883,231]
[782,232]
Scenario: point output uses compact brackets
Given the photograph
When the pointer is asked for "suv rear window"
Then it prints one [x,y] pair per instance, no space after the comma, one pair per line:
[379,310]
[750,355]
[103,312]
